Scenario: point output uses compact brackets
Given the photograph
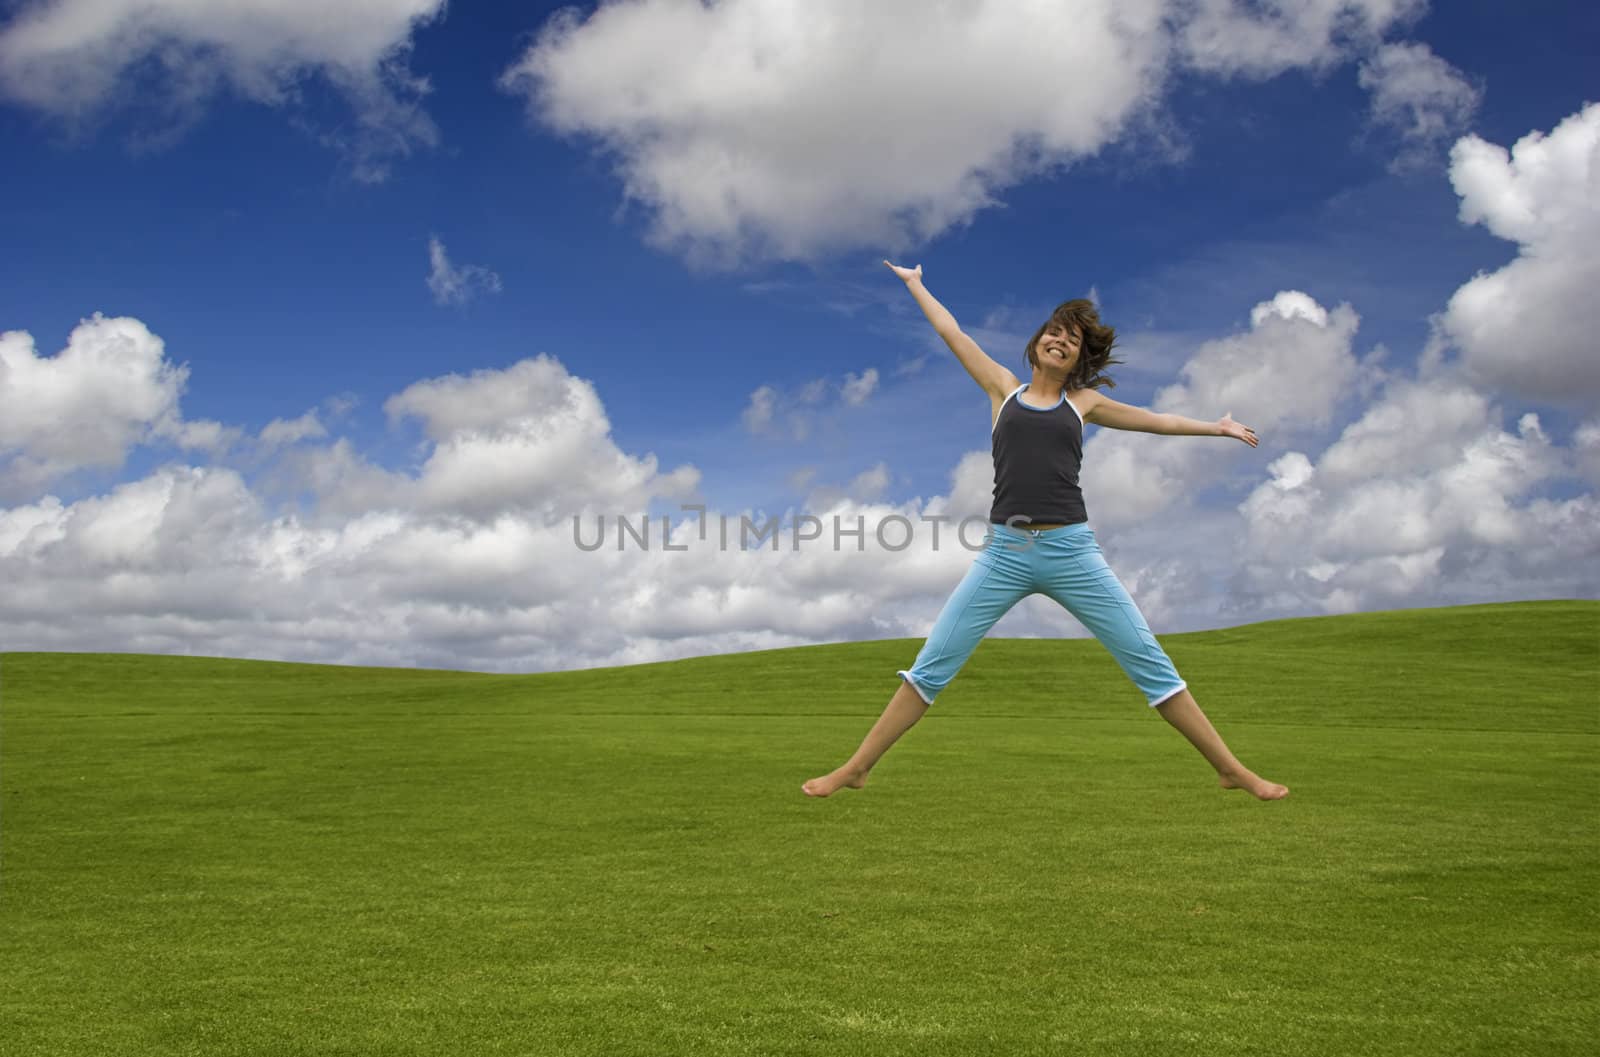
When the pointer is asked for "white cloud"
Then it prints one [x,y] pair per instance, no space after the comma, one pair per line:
[199,435]
[1441,490]
[868,486]
[109,389]
[527,438]
[280,432]
[971,487]
[73,58]
[1416,427]
[1420,95]
[757,416]
[813,392]
[1285,377]
[801,413]
[1290,304]
[764,128]
[858,387]
[162,522]
[456,285]
[1425,499]
[469,559]
[25,529]
[1428,497]
[1247,38]
[1530,327]
[1586,448]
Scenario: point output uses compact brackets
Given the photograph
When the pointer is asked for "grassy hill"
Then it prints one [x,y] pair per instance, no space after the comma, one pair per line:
[242,857]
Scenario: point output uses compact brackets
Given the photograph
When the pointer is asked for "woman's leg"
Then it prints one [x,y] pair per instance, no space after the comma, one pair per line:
[1184,713]
[902,713]
[997,580]
[1084,584]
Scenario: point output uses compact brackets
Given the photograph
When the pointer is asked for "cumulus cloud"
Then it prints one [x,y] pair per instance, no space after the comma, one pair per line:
[1425,498]
[858,387]
[199,435]
[1419,95]
[1372,490]
[469,559]
[757,415]
[800,413]
[503,548]
[529,441]
[1586,448]
[530,438]
[75,59]
[1444,489]
[1440,491]
[110,389]
[1246,38]
[760,128]
[280,431]
[90,402]
[457,284]
[1285,377]
[1431,497]
[869,486]
[410,586]
[1529,328]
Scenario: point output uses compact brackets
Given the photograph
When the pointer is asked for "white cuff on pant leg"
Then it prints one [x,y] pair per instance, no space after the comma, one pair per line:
[913,684]
[1170,694]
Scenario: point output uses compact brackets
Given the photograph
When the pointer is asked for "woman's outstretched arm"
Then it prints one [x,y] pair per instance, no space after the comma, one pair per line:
[1104,411]
[995,379]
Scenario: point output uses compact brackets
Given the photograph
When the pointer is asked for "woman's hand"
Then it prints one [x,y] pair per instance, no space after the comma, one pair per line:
[905,274]
[1230,428]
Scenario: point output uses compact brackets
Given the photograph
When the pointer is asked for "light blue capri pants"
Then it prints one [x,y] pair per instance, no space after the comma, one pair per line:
[1064,563]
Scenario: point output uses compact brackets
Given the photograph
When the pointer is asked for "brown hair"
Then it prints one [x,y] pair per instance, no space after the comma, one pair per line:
[1094,352]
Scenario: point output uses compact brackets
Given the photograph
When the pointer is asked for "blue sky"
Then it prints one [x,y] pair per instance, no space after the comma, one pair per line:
[229,205]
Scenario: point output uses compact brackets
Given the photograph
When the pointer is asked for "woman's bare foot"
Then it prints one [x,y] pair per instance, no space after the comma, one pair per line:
[1256,786]
[829,784]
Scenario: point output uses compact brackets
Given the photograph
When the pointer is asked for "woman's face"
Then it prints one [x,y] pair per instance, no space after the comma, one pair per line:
[1058,348]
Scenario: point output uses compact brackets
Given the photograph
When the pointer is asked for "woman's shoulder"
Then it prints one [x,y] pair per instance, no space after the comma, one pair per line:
[1085,400]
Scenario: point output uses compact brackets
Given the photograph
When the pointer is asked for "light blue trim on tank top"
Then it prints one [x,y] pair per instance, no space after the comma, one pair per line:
[1023,403]
[1016,394]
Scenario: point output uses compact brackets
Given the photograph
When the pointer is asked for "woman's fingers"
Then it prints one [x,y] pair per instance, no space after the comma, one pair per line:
[1236,429]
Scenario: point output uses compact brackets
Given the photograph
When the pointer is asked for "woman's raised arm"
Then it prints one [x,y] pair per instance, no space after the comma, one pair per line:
[995,379]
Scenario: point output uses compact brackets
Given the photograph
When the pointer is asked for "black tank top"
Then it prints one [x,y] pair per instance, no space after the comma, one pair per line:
[1037,455]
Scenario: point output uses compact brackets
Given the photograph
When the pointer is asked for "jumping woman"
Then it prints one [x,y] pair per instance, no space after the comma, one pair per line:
[1039,539]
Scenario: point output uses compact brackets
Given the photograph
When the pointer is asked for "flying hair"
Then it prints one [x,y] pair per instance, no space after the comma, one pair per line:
[1094,353]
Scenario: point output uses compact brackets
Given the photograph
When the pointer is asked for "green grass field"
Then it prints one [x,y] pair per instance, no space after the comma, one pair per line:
[227,857]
